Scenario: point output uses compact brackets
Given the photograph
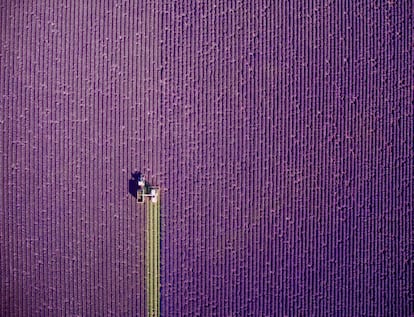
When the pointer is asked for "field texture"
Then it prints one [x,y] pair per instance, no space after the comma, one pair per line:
[280,133]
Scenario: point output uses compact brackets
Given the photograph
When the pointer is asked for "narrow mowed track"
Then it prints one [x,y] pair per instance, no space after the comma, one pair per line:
[153,258]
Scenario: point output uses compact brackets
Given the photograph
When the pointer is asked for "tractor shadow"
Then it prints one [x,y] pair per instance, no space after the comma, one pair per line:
[133,183]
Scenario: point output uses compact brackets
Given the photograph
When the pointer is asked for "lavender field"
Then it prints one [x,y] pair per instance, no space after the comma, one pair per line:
[280,134]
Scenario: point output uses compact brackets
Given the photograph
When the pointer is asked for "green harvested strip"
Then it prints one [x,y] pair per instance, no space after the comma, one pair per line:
[153,257]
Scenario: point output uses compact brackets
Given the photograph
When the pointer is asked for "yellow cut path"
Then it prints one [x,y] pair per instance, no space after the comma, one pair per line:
[153,257]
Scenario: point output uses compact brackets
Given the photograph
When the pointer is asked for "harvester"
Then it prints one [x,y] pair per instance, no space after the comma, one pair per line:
[145,190]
